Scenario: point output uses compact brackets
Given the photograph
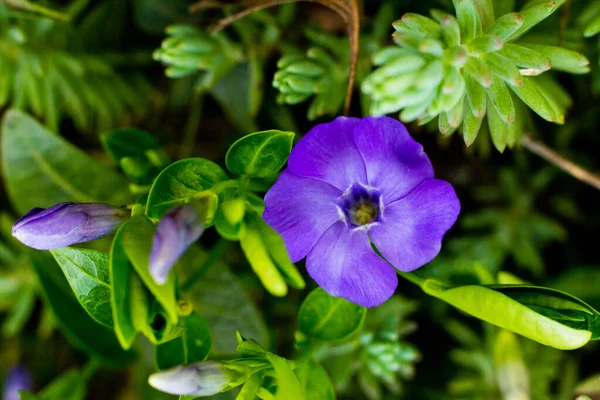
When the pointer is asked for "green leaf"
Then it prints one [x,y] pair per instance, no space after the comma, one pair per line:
[182,182]
[83,332]
[492,305]
[250,388]
[121,280]
[88,274]
[506,25]
[471,126]
[193,345]
[529,92]
[325,317]
[449,27]
[468,19]
[139,154]
[501,99]
[498,129]
[476,96]
[277,251]
[218,296]
[288,385]
[137,242]
[562,59]
[532,16]
[525,58]
[23,303]
[504,68]
[316,382]
[40,169]
[511,372]
[71,385]
[260,154]
[256,252]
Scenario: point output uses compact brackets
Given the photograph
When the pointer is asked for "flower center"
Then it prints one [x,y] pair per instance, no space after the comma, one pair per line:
[360,205]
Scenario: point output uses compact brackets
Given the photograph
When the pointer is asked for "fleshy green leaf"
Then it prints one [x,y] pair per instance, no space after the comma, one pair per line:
[88,274]
[325,317]
[288,385]
[532,16]
[468,19]
[529,92]
[501,99]
[506,25]
[562,59]
[260,154]
[525,58]
[490,304]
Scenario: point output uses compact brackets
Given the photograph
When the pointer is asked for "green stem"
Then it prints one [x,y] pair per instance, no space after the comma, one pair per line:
[36,8]
[216,252]
[192,124]
[412,278]
[219,187]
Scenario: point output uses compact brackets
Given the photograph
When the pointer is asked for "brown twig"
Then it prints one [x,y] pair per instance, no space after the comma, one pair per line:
[553,157]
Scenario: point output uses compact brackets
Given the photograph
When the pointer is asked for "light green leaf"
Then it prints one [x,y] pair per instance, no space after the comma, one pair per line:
[506,25]
[325,317]
[316,382]
[260,154]
[88,274]
[525,58]
[288,385]
[501,99]
[137,242]
[468,19]
[529,92]
[182,182]
[562,59]
[40,169]
[532,16]
[492,305]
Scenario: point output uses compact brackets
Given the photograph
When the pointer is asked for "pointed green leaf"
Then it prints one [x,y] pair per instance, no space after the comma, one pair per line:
[87,271]
[471,126]
[532,16]
[506,25]
[480,71]
[501,99]
[498,128]
[468,19]
[484,44]
[528,92]
[503,68]
[525,58]
[260,154]
[476,96]
[563,59]
[449,27]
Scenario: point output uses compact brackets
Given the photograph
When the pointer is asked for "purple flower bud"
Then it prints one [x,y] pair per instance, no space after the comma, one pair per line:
[177,230]
[17,378]
[205,378]
[67,223]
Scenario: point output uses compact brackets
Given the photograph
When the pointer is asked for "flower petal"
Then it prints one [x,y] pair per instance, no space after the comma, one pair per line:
[344,264]
[412,229]
[328,153]
[300,210]
[395,162]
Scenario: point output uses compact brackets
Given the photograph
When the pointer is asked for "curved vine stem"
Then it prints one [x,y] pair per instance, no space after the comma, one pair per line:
[566,165]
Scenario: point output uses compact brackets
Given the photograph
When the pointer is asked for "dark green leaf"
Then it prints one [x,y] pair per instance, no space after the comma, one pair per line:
[83,331]
[316,382]
[182,182]
[193,345]
[260,154]
[41,169]
[329,318]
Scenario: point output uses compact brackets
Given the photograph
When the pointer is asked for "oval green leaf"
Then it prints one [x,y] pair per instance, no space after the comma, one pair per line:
[182,182]
[325,317]
[260,154]
[193,345]
[87,271]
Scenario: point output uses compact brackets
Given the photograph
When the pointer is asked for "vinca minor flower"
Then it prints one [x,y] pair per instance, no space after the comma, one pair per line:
[17,378]
[351,182]
[67,223]
[177,230]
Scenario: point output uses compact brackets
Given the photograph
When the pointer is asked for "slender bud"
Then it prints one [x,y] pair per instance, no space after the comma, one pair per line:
[67,223]
[205,378]
[177,230]
[17,378]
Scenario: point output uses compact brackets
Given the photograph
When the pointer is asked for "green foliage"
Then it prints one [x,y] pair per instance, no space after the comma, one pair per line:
[61,172]
[46,69]
[325,317]
[260,154]
[193,345]
[463,69]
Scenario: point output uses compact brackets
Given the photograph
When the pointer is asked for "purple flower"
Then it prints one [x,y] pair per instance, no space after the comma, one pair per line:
[67,223]
[177,230]
[17,378]
[351,182]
